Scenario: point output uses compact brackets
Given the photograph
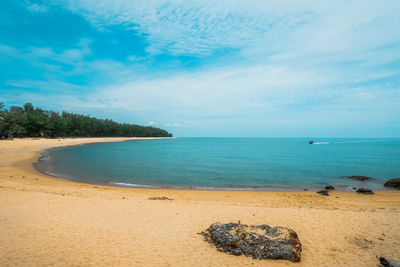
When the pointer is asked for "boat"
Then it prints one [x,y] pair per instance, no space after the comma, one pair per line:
[311,142]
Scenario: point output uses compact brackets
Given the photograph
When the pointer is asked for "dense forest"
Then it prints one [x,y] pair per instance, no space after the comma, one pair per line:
[27,121]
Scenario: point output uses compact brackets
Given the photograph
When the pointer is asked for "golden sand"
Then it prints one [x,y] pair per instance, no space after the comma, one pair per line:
[50,221]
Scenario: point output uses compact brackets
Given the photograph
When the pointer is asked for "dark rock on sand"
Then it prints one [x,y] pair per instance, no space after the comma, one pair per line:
[329,187]
[365,191]
[394,183]
[257,241]
[358,177]
[160,198]
[385,262]
[323,192]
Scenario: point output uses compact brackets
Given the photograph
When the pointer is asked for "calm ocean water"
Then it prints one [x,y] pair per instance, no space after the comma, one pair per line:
[246,163]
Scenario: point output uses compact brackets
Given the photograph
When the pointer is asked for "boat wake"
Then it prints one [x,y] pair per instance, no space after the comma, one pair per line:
[321,143]
[344,142]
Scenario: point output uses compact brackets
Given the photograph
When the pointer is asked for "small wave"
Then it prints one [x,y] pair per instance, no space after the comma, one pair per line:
[45,156]
[230,188]
[133,185]
[241,188]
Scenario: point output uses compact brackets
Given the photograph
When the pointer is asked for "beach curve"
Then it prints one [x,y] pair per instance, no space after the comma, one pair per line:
[46,220]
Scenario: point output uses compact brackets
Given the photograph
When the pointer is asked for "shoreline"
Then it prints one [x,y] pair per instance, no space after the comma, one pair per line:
[52,221]
[76,141]
[311,188]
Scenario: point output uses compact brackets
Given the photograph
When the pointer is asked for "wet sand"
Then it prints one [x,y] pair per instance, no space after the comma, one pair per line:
[50,221]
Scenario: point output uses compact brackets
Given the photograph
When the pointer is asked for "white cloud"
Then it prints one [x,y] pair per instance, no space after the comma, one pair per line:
[44,85]
[175,124]
[256,95]
[206,92]
[71,56]
[34,7]
[131,58]
[67,56]
[151,123]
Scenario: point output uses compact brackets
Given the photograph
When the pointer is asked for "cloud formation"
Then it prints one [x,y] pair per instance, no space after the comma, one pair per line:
[202,27]
[190,27]
[216,68]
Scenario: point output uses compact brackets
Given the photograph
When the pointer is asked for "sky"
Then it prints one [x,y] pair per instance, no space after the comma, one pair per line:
[253,68]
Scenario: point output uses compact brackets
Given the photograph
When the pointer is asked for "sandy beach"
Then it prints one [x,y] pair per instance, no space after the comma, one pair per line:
[50,221]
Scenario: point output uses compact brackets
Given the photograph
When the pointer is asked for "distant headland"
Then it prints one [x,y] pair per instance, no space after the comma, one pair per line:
[28,121]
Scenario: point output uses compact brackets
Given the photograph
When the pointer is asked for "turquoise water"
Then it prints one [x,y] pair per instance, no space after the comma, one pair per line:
[246,163]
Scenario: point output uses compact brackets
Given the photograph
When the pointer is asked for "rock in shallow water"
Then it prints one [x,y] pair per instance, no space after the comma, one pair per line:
[257,241]
[329,187]
[394,183]
[358,177]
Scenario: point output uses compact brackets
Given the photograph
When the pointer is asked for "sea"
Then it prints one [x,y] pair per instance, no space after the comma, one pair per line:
[228,163]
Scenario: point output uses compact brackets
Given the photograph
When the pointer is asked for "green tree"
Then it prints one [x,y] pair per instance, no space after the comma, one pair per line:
[28,107]
[2,126]
[31,121]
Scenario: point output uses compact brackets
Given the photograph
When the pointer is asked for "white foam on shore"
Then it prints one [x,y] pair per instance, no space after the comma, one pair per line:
[133,185]
[267,188]
[230,188]
[45,156]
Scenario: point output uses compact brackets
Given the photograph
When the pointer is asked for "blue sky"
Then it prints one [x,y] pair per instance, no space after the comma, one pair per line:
[209,68]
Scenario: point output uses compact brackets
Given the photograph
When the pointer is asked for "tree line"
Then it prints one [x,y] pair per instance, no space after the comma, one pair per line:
[28,121]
